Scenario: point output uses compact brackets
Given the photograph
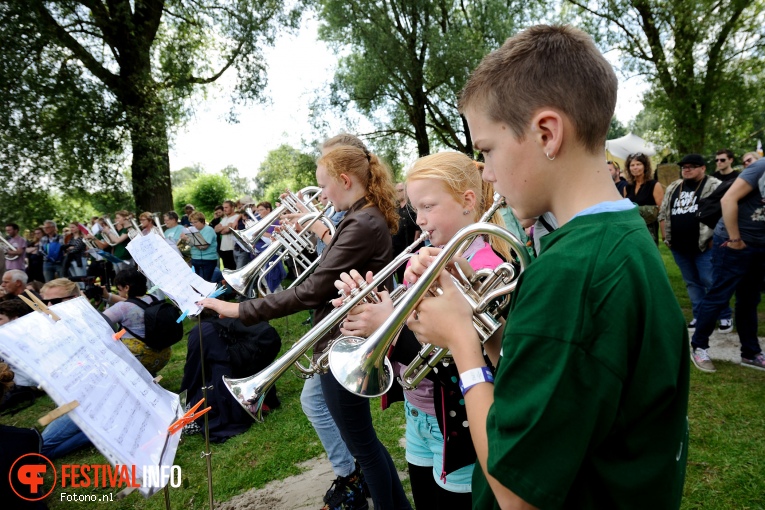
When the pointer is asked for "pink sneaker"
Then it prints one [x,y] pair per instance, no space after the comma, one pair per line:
[757,362]
[701,359]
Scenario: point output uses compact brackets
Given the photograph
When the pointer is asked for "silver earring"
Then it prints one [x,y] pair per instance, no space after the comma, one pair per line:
[548,156]
[465,212]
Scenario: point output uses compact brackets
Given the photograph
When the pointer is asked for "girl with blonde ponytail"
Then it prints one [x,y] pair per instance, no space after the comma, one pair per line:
[447,192]
[355,181]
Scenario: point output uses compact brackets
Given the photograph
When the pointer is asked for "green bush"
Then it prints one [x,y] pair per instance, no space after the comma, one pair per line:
[204,192]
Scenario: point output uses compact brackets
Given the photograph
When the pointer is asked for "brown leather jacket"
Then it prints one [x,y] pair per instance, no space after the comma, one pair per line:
[362,241]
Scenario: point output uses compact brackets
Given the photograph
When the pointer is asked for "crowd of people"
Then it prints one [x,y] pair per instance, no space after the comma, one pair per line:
[716,262]
[569,411]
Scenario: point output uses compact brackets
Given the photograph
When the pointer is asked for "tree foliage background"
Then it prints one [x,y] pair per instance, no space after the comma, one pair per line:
[84,84]
[703,59]
[284,168]
[402,63]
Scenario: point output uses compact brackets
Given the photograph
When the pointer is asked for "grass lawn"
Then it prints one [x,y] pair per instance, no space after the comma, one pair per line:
[725,465]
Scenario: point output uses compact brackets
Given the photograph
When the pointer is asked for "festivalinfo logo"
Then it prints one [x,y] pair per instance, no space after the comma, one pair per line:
[29,480]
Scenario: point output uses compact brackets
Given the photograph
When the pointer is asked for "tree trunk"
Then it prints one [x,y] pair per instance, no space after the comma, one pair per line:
[147,123]
[468,139]
[420,122]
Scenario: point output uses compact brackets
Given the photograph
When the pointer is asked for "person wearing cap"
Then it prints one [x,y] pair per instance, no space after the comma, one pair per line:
[689,240]
[185,218]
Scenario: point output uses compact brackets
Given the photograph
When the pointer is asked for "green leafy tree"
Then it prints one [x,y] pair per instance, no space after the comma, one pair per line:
[182,177]
[284,168]
[702,56]
[405,61]
[205,192]
[616,129]
[84,80]
[241,185]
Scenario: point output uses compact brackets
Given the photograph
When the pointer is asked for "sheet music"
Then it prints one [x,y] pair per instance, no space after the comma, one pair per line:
[195,238]
[167,269]
[122,411]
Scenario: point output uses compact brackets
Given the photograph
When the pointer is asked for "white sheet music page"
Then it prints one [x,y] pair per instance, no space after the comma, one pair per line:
[166,268]
[121,410]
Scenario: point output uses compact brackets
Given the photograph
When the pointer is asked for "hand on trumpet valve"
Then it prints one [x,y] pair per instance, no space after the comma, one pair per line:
[444,320]
[347,283]
[419,263]
[224,308]
[366,317]
[465,269]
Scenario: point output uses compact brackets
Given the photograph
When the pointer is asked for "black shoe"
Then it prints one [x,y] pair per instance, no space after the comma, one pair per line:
[364,485]
[346,493]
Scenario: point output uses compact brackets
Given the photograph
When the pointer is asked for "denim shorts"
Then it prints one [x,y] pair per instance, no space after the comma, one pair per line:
[425,447]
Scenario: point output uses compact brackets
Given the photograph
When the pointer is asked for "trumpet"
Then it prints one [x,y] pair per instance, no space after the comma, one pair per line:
[157,228]
[109,232]
[8,247]
[134,230]
[250,391]
[249,236]
[360,365]
[251,279]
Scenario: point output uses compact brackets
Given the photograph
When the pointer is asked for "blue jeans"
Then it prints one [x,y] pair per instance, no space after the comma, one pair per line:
[740,272]
[62,437]
[241,257]
[51,269]
[353,418]
[315,408]
[698,275]
[425,448]
[204,268]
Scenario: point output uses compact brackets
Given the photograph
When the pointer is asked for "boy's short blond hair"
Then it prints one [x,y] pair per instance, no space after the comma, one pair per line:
[556,67]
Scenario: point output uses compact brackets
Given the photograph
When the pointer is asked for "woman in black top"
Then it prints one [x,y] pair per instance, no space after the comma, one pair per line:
[644,190]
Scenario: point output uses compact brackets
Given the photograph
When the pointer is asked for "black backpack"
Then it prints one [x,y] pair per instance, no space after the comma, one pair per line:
[710,210]
[160,319]
[250,348]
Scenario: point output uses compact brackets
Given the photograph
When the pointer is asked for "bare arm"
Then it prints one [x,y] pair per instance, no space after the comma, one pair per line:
[729,204]
[658,194]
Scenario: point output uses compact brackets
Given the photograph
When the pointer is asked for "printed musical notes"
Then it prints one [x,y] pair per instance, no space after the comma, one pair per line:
[121,410]
[166,269]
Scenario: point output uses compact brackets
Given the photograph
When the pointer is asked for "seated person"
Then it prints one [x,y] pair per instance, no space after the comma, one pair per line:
[15,442]
[24,386]
[62,435]
[131,284]
[232,350]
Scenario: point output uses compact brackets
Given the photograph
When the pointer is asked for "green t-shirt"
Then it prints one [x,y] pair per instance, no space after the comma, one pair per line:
[591,392]
[120,250]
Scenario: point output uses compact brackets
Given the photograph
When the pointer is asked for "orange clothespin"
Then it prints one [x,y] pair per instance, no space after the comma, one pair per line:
[187,418]
[37,305]
[118,334]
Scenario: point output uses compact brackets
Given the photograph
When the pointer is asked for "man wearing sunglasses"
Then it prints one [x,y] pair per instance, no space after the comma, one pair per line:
[724,160]
[749,158]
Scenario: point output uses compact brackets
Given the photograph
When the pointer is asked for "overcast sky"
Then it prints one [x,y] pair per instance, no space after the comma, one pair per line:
[297,67]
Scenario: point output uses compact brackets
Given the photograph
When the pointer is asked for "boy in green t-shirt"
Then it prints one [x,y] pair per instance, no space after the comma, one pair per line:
[588,406]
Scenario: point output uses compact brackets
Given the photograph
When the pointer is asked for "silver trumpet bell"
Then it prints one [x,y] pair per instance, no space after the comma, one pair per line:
[248,237]
[361,365]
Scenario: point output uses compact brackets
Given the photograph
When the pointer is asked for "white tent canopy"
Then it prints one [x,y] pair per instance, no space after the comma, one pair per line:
[619,148]
[629,144]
